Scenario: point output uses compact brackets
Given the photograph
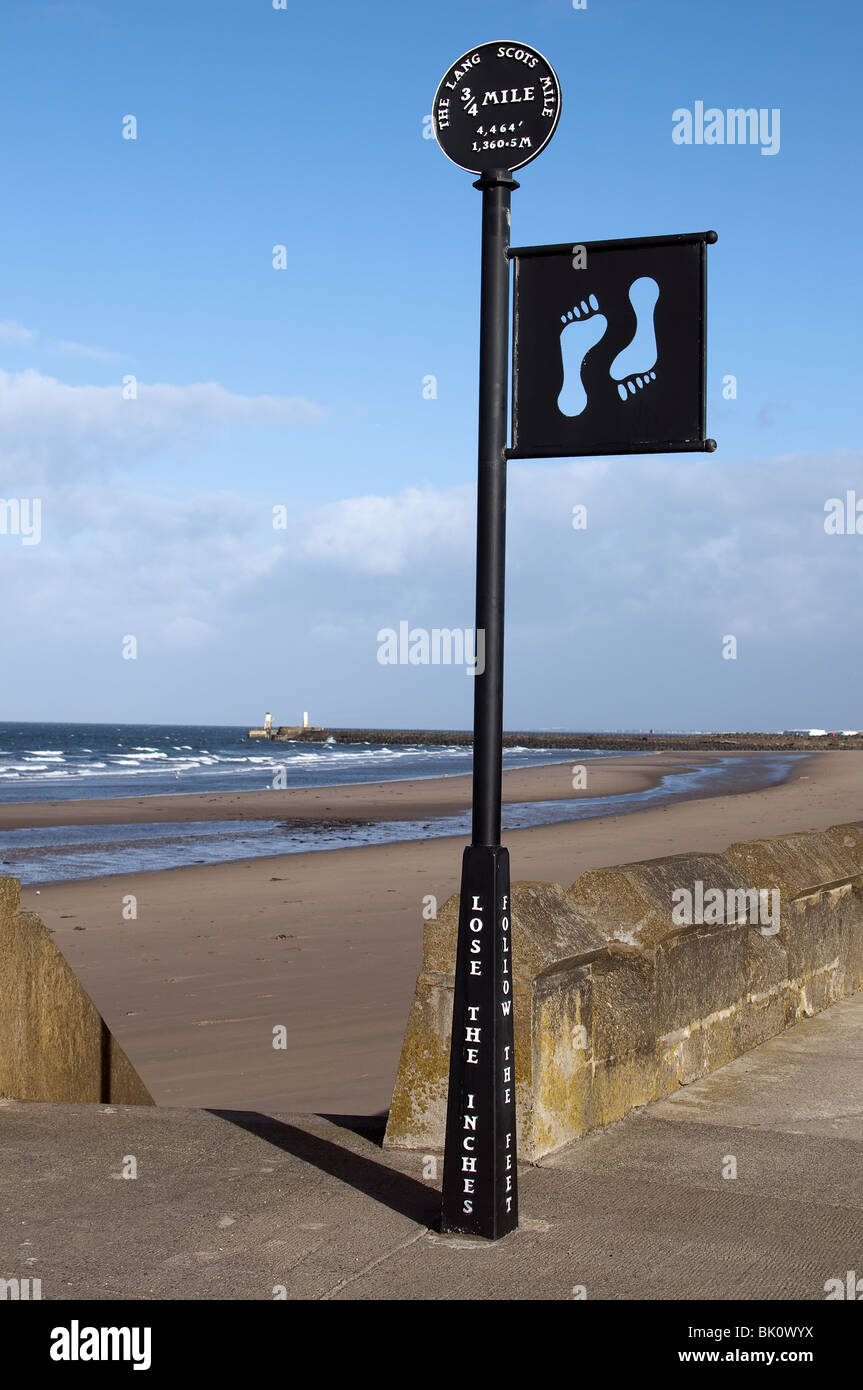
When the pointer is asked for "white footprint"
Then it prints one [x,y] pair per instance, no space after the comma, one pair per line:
[627,388]
[632,368]
[574,347]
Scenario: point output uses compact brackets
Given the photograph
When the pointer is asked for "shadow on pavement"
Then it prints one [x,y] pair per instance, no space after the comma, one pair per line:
[392,1189]
[371,1127]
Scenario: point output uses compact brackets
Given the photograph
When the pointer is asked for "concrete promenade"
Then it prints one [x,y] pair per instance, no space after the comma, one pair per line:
[232,1206]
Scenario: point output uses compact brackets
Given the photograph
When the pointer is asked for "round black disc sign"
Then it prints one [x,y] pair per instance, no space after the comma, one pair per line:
[497,107]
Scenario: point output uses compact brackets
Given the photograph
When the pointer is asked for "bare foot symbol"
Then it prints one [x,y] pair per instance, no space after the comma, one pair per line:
[633,368]
[574,347]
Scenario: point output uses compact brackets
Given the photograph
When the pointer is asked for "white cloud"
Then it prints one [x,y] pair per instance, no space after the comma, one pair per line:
[19,336]
[49,429]
[184,631]
[620,624]
[82,350]
[654,544]
[384,535]
[12,332]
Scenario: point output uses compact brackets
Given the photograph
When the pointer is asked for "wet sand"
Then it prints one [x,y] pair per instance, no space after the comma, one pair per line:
[328,944]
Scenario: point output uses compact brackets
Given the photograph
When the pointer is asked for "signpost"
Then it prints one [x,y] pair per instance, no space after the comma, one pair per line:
[494,111]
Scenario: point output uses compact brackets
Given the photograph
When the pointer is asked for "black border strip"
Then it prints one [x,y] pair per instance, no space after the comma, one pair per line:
[682,446]
[564,248]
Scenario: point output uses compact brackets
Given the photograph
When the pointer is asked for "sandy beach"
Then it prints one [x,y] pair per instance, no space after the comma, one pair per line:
[328,943]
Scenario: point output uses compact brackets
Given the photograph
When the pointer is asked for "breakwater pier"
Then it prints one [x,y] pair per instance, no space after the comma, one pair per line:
[625,743]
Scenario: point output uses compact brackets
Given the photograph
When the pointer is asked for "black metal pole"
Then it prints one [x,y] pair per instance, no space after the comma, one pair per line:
[491,503]
[480,1195]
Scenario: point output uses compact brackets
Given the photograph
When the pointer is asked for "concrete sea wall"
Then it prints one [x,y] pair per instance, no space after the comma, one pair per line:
[642,977]
[54,1044]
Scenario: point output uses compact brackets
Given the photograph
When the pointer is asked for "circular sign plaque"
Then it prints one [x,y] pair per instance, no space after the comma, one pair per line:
[497,107]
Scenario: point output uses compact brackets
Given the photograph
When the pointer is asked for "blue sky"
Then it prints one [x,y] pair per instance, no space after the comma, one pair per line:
[303,387]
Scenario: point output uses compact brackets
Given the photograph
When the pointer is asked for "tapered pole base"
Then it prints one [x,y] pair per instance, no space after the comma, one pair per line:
[480,1186]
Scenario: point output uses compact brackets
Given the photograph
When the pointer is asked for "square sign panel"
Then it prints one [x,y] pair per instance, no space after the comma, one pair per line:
[609,347]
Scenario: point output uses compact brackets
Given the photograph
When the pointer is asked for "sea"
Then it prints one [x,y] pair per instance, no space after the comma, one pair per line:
[65,762]
[54,762]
